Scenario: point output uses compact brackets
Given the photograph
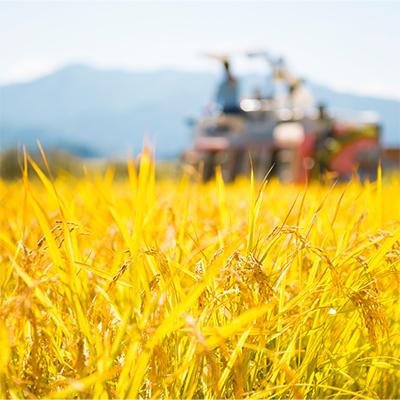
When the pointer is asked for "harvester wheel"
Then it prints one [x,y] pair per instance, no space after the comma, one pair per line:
[209,166]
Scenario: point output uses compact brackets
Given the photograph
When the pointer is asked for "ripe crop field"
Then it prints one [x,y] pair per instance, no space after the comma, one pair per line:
[179,289]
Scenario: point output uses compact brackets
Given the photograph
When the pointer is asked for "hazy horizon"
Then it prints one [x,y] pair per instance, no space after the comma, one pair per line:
[181,70]
[348,46]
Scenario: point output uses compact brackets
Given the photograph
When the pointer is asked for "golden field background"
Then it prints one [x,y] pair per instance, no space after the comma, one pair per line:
[178,289]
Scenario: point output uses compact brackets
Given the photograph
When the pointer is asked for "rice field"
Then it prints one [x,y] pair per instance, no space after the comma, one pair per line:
[140,288]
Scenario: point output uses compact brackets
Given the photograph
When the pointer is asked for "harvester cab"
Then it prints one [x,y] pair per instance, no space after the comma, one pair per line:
[283,132]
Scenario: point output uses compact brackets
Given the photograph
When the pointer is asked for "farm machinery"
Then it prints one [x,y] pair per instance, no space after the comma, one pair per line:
[283,133]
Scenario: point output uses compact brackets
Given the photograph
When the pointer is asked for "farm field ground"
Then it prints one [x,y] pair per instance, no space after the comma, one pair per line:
[139,288]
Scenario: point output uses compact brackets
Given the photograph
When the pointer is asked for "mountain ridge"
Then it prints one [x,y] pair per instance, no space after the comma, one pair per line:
[109,111]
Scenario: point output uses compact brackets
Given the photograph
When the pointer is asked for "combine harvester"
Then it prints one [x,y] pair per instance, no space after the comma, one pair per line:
[284,133]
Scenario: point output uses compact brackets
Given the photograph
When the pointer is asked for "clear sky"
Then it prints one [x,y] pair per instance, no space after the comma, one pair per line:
[352,46]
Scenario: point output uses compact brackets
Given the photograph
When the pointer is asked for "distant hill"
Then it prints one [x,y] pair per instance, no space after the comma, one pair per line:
[105,112]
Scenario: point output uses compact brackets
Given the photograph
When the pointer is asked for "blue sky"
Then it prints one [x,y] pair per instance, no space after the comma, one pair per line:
[350,46]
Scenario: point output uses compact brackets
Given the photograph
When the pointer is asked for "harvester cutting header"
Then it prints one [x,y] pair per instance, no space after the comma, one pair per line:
[283,131]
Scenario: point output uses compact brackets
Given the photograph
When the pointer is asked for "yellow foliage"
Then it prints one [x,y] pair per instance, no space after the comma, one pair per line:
[143,289]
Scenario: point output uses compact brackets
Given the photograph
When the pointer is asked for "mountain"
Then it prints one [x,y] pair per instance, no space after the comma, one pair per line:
[108,112]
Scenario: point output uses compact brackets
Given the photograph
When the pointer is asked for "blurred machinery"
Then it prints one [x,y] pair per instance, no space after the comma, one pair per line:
[283,132]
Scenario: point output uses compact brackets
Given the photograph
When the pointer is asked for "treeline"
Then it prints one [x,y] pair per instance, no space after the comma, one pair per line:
[60,161]
[12,162]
